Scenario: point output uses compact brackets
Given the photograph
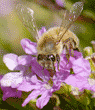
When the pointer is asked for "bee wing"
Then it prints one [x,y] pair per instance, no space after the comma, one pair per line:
[70,17]
[26,16]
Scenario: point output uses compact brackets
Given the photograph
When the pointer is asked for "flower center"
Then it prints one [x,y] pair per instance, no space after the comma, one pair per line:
[49,84]
[71,71]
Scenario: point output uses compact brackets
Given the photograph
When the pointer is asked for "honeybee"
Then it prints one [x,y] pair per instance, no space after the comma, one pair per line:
[51,44]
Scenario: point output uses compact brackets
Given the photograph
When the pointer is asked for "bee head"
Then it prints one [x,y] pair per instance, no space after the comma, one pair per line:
[47,61]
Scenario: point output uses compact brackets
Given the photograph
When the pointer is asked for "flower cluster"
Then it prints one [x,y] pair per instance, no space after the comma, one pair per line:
[32,77]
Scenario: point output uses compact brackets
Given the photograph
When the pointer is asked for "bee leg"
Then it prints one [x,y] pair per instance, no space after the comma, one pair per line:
[77,49]
[68,45]
[53,67]
[68,56]
[67,53]
[43,65]
[43,68]
[72,46]
[58,60]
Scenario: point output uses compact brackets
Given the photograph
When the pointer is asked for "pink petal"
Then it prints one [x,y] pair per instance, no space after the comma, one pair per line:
[43,74]
[10,92]
[31,96]
[11,60]
[76,81]
[11,79]
[81,65]
[26,86]
[43,100]
[25,59]
[29,47]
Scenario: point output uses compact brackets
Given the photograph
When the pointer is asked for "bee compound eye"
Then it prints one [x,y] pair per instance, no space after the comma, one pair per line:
[40,57]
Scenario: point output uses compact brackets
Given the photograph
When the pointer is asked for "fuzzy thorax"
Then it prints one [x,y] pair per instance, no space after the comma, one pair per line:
[47,43]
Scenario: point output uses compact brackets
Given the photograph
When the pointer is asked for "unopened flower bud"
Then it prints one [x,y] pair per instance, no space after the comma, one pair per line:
[88,51]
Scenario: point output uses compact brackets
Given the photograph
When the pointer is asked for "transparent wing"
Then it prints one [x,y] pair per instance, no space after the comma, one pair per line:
[26,16]
[70,17]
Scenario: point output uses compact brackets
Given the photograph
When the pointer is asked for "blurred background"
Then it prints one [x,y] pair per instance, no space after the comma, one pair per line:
[48,13]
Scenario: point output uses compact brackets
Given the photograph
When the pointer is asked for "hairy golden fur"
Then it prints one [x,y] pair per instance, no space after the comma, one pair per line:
[47,42]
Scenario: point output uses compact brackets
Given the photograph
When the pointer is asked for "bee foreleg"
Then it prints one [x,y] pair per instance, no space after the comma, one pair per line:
[72,46]
[58,60]
[67,51]
[53,67]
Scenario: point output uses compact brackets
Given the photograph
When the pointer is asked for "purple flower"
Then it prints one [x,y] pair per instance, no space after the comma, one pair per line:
[26,64]
[13,62]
